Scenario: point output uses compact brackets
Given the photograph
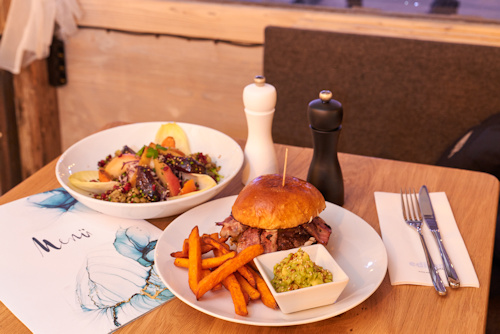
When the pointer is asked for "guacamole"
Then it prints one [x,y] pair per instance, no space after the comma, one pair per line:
[298,271]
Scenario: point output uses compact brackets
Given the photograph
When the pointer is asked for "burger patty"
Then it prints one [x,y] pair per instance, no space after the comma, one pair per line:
[275,240]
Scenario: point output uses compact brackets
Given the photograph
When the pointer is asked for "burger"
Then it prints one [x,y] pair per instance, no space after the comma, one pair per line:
[278,213]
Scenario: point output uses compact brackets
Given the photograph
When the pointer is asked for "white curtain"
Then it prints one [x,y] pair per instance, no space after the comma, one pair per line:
[30,27]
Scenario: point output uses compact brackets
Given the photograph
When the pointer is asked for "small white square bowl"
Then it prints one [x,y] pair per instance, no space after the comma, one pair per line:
[310,297]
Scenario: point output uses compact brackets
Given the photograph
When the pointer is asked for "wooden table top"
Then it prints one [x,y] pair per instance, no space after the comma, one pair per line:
[473,197]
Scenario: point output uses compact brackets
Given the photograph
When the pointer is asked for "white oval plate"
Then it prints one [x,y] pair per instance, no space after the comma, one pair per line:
[354,244]
[85,154]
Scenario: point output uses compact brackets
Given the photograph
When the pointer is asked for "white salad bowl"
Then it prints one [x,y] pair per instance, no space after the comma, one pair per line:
[85,154]
[308,297]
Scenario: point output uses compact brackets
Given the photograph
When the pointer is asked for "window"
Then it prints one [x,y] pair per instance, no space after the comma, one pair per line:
[461,9]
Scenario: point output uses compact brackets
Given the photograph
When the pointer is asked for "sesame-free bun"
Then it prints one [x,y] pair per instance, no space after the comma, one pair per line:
[265,203]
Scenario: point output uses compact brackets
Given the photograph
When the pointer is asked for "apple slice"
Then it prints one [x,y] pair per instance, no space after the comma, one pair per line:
[167,177]
[120,164]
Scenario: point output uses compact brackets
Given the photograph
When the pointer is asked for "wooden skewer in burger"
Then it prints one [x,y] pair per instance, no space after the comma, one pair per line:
[278,211]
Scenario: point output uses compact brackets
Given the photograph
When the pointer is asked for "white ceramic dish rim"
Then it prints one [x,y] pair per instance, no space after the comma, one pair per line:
[64,169]
[354,244]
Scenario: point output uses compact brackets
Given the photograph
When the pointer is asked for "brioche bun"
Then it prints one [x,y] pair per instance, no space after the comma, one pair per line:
[266,204]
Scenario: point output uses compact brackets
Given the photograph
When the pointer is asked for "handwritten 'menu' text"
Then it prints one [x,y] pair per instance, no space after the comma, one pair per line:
[45,246]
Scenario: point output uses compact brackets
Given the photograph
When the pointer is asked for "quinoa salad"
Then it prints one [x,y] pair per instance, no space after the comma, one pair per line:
[162,170]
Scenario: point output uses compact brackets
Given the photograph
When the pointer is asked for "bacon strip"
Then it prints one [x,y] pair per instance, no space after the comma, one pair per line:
[274,240]
[231,228]
[319,229]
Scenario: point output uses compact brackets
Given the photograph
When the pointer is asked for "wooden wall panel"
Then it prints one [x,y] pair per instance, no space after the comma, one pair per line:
[115,76]
[37,118]
[10,162]
[246,22]
[7,112]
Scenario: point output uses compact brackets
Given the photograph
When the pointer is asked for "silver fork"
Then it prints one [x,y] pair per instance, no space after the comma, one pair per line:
[413,217]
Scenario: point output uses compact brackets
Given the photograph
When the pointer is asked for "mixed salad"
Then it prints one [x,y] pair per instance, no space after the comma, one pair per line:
[163,170]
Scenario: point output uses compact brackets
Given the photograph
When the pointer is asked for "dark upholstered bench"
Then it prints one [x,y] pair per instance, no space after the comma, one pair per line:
[403,99]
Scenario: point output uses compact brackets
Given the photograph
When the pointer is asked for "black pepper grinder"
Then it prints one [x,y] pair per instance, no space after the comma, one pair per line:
[325,120]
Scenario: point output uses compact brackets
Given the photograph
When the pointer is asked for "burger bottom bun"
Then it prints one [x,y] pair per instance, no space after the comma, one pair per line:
[265,203]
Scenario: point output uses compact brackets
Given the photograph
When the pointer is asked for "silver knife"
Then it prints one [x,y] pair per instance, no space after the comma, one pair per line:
[430,220]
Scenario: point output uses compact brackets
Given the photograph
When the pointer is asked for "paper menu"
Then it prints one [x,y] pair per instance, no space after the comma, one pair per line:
[66,268]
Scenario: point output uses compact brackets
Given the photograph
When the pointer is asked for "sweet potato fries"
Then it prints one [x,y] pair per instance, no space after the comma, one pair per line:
[226,267]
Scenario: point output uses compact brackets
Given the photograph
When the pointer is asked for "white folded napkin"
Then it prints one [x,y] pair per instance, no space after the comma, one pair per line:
[407,264]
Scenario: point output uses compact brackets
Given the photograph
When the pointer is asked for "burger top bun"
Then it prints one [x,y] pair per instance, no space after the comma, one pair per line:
[265,203]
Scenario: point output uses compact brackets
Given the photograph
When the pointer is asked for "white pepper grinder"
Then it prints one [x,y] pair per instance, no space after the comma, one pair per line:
[259,99]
